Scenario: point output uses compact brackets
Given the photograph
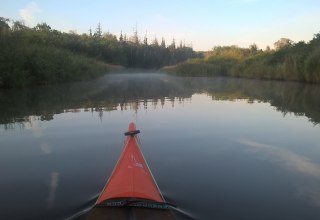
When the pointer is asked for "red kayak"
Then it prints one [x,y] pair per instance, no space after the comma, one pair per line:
[131,191]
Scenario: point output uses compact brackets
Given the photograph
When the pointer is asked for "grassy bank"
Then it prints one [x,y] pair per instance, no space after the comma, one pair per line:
[289,61]
[28,65]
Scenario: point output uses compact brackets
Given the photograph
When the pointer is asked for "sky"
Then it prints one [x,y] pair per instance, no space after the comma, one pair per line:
[201,23]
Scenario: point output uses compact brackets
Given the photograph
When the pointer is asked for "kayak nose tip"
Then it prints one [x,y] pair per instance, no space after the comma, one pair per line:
[132,126]
[132,130]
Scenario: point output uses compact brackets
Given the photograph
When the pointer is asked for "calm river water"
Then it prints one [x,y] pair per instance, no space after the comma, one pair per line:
[219,148]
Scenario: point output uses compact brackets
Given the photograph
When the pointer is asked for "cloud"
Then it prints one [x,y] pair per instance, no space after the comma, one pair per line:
[28,13]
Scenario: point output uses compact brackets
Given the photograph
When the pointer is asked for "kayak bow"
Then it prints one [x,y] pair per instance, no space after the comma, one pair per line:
[131,191]
[131,178]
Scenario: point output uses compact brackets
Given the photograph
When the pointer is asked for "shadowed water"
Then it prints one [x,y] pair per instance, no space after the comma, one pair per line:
[219,148]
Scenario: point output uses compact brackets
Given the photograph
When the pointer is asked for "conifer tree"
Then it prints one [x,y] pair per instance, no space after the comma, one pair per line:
[98,32]
[90,32]
[163,43]
[145,40]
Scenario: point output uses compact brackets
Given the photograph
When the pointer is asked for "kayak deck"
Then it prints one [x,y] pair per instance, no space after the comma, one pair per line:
[122,213]
[131,191]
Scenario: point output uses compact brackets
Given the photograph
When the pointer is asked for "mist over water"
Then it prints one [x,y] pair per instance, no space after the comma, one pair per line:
[219,148]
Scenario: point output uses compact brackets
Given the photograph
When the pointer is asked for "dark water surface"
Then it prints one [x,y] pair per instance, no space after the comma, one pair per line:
[218,148]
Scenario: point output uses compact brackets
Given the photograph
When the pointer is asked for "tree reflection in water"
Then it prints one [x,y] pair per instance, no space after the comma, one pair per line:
[134,91]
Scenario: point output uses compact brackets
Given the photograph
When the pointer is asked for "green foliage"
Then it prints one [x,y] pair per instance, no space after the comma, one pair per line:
[283,43]
[42,55]
[232,52]
[188,69]
[4,24]
[34,65]
[296,62]
[26,62]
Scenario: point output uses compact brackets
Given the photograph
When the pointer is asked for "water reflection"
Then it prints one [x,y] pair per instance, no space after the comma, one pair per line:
[53,185]
[134,91]
[294,162]
[285,158]
[45,148]
[66,139]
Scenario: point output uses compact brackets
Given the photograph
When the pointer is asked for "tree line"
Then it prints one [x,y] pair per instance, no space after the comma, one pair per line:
[287,61]
[42,55]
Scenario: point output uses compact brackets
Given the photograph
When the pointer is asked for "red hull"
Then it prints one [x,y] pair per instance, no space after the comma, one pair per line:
[131,177]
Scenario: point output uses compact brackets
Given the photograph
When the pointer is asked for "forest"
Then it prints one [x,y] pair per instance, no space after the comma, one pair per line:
[42,55]
[287,61]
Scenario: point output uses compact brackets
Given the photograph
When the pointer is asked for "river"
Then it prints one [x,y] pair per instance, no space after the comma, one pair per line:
[219,148]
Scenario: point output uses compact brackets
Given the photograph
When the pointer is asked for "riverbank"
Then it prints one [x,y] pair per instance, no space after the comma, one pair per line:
[40,55]
[34,65]
[291,62]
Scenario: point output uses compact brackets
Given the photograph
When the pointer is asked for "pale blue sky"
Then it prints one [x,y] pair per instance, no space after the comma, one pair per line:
[205,23]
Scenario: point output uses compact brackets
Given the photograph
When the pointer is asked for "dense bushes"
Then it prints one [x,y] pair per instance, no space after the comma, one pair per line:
[36,57]
[41,55]
[30,64]
[297,62]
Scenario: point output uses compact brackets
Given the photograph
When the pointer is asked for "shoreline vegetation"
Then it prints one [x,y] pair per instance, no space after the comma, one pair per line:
[42,55]
[288,61]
